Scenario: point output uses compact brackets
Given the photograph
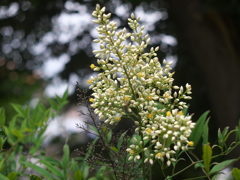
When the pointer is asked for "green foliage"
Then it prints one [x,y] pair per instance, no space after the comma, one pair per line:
[236,173]
[21,139]
[198,129]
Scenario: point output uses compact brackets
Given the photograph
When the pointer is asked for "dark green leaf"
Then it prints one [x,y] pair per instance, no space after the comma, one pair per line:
[109,135]
[120,140]
[220,166]
[2,117]
[3,137]
[205,133]
[198,165]
[100,172]
[34,177]
[207,156]
[198,129]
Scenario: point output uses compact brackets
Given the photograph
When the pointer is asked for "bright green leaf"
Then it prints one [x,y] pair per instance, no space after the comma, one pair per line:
[207,156]
[93,128]
[236,173]
[2,177]
[93,178]
[78,175]
[52,168]
[12,176]
[114,149]
[40,170]
[198,129]
[65,158]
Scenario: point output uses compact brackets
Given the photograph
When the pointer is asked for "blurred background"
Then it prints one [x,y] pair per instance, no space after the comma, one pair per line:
[46,47]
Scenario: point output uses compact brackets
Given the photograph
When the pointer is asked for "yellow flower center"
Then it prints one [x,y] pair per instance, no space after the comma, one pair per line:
[180,113]
[140,74]
[190,143]
[158,155]
[168,113]
[149,97]
[90,81]
[148,130]
[131,152]
[150,116]
[166,95]
[92,66]
[127,98]
[111,91]
[118,118]
[91,100]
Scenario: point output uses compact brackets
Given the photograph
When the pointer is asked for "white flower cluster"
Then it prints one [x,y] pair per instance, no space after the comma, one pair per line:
[133,82]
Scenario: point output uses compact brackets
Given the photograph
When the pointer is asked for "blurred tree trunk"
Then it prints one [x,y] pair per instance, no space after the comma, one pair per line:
[212,41]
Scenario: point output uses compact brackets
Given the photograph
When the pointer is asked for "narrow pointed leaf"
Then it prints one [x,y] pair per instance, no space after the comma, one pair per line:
[40,170]
[222,165]
[198,129]
[207,156]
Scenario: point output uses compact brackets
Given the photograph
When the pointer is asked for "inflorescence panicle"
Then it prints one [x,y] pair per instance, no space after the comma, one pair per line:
[134,82]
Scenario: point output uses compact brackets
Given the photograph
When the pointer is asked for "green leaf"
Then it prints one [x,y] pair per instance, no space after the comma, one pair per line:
[109,136]
[17,133]
[53,104]
[207,156]
[78,175]
[236,173]
[12,176]
[120,140]
[2,117]
[52,169]
[222,165]
[24,113]
[100,172]
[198,129]
[40,170]
[65,158]
[2,177]
[93,178]
[85,171]
[198,165]
[11,138]
[205,133]
[3,137]
[114,149]
[51,161]
[94,129]
[34,177]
